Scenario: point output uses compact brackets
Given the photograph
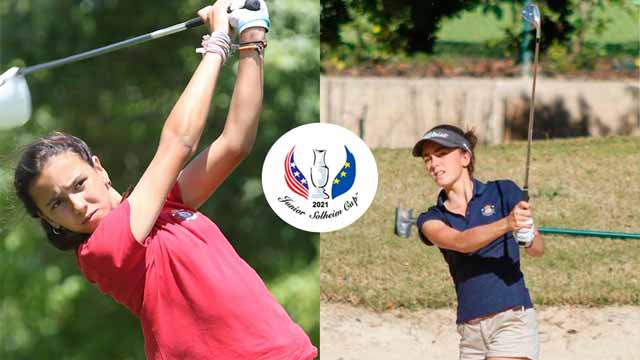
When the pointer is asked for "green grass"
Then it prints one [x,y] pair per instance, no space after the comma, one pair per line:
[579,183]
[478,27]
[623,26]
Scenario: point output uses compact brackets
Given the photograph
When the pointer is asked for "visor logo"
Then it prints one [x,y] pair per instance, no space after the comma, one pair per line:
[434,134]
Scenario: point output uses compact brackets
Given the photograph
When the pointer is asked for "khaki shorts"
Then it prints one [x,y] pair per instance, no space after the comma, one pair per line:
[511,333]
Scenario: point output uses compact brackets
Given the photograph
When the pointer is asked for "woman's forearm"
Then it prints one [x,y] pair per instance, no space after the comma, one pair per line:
[246,103]
[188,117]
[480,236]
[537,247]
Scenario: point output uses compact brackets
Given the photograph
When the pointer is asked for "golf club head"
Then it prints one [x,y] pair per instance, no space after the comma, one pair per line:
[15,99]
[404,220]
[531,14]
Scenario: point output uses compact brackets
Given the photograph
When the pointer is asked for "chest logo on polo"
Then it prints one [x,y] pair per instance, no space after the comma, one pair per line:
[184,215]
[488,210]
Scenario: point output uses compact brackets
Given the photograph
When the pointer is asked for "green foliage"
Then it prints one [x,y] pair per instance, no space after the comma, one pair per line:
[117,103]
[557,55]
[379,31]
[594,17]
[333,15]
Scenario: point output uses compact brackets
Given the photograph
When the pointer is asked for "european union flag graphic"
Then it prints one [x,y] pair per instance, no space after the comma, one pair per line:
[293,176]
[345,177]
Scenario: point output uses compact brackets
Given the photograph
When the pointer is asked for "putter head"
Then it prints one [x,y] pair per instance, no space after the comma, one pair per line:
[404,220]
[531,14]
[15,99]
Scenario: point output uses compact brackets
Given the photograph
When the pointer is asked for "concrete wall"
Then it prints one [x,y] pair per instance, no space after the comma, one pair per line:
[397,111]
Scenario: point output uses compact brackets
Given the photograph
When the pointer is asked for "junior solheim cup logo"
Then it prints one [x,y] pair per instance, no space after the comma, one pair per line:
[317,188]
[319,172]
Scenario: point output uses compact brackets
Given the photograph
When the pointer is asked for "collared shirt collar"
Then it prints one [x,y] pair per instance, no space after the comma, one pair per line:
[478,189]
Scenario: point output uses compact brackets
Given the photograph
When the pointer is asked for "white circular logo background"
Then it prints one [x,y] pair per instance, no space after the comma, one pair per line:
[319,177]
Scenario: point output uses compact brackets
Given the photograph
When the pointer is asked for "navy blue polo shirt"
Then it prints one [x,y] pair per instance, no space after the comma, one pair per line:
[488,280]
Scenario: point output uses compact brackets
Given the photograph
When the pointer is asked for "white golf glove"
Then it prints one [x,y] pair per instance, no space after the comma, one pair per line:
[241,18]
[525,236]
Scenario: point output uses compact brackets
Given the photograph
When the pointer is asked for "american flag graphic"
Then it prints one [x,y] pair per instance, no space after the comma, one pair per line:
[293,176]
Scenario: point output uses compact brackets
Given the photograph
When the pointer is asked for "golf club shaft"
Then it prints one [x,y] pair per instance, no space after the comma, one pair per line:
[195,22]
[531,112]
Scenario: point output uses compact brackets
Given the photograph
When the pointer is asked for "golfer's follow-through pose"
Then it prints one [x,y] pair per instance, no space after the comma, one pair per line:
[152,251]
[474,223]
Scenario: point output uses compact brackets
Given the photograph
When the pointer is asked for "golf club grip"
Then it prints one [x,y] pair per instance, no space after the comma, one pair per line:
[253,5]
[195,22]
[525,194]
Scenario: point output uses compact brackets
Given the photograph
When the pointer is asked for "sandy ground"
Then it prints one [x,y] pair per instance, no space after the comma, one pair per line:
[352,333]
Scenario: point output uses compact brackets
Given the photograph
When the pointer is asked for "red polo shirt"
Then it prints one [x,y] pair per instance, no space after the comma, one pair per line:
[195,297]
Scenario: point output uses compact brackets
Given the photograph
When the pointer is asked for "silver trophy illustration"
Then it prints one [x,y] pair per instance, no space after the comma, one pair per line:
[319,175]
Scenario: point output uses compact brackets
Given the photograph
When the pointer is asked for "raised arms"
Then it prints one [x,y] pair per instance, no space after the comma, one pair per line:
[180,134]
[207,171]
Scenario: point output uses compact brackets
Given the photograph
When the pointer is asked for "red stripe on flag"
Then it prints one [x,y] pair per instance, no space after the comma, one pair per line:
[291,181]
[296,186]
[293,189]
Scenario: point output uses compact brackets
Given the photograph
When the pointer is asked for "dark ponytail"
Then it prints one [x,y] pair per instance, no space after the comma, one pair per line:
[470,136]
[34,158]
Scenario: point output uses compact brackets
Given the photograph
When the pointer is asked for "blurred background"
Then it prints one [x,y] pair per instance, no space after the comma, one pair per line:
[469,63]
[117,103]
[593,38]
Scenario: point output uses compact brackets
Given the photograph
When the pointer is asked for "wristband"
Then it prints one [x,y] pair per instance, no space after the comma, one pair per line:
[258,46]
[530,244]
[217,43]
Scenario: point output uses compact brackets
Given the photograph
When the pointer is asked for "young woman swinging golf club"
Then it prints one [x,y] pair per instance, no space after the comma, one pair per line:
[477,227]
[152,251]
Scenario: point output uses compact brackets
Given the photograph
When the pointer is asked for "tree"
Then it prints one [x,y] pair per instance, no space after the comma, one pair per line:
[586,17]
[403,24]
[385,27]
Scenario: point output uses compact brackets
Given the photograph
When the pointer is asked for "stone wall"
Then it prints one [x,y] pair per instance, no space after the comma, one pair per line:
[394,112]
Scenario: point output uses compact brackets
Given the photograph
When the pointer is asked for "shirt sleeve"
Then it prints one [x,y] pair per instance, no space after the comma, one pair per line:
[175,195]
[111,251]
[432,214]
[511,193]
[174,199]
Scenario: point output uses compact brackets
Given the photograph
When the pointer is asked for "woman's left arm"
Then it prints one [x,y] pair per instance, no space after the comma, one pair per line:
[537,246]
[200,179]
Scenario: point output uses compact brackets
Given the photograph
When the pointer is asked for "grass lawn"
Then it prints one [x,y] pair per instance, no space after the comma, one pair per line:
[583,183]
[476,26]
